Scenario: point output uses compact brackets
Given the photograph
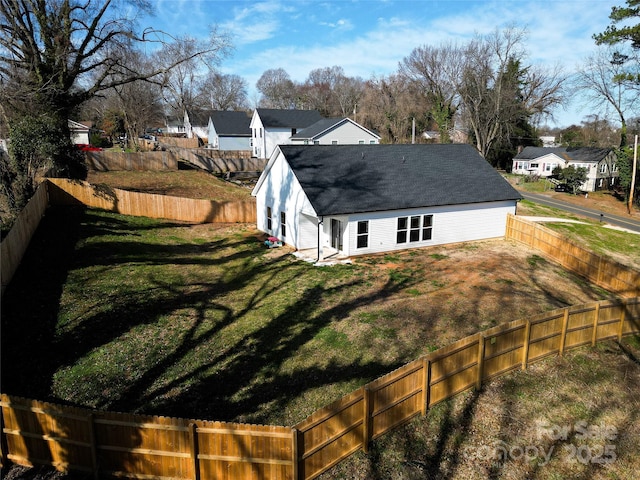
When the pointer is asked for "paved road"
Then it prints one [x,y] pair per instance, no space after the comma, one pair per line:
[630,223]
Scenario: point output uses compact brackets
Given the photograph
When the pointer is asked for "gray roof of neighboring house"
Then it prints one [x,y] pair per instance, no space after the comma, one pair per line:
[231,123]
[278,118]
[342,179]
[575,154]
[321,126]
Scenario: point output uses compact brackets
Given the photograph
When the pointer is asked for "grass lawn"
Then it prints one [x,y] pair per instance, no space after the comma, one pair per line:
[141,315]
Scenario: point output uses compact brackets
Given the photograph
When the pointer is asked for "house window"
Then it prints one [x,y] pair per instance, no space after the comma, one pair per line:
[362,240]
[372,142]
[260,130]
[415,228]
[403,226]
[294,131]
[316,142]
[614,167]
[269,219]
[283,224]
[534,165]
[334,142]
[361,142]
[603,168]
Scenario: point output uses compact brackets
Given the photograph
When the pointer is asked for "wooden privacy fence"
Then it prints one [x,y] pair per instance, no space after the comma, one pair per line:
[114,444]
[17,240]
[73,192]
[602,271]
[110,444]
[107,161]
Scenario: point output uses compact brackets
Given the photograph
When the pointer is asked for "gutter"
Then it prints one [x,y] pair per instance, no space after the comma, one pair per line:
[320,223]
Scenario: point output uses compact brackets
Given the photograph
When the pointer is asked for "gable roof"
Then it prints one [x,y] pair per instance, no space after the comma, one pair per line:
[573,154]
[199,118]
[324,125]
[232,123]
[343,179]
[277,118]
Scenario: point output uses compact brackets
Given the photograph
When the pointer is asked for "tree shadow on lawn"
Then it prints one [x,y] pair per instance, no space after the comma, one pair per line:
[31,349]
[248,383]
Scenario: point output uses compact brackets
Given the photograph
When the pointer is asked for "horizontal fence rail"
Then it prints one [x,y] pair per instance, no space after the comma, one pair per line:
[126,445]
[333,433]
[74,192]
[599,269]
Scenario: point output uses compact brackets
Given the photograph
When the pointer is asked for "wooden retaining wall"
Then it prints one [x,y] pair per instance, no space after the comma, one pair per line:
[105,161]
[124,445]
[74,192]
[221,161]
[600,270]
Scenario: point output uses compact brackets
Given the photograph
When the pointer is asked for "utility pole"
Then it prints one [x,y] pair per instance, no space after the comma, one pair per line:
[633,174]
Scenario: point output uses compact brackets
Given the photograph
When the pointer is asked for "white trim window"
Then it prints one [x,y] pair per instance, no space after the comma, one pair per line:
[603,168]
[362,237]
[414,229]
[269,219]
[283,224]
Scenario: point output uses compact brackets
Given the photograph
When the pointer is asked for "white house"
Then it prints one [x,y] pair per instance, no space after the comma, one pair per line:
[174,125]
[80,133]
[196,123]
[361,199]
[602,170]
[272,127]
[228,130]
[335,131]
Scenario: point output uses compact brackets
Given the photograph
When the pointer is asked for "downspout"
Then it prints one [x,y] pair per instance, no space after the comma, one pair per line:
[320,222]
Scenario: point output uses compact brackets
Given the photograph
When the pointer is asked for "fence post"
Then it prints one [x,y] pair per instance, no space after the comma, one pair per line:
[481,346]
[426,383]
[525,347]
[366,420]
[94,448]
[193,433]
[565,323]
[294,453]
[596,320]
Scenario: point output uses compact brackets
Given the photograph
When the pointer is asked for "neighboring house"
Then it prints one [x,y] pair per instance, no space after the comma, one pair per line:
[362,199]
[602,170]
[196,123]
[335,131]
[81,132]
[174,125]
[272,127]
[229,130]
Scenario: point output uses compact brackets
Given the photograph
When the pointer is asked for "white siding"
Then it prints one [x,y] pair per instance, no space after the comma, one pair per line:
[345,134]
[281,191]
[308,233]
[451,224]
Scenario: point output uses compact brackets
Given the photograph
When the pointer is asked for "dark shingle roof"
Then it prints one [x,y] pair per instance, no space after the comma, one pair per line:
[575,154]
[231,123]
[318,127]
[341,179]
[272,117]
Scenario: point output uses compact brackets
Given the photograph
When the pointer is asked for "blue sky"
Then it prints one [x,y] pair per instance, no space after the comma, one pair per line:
[370,37]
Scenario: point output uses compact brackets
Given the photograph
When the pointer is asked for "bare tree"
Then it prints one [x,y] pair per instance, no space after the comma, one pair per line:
[389,106]
[277,89]
[435,73]
[319,90]
[602,79]
[498,91]
[57,54]
[225,92]
[182,84]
